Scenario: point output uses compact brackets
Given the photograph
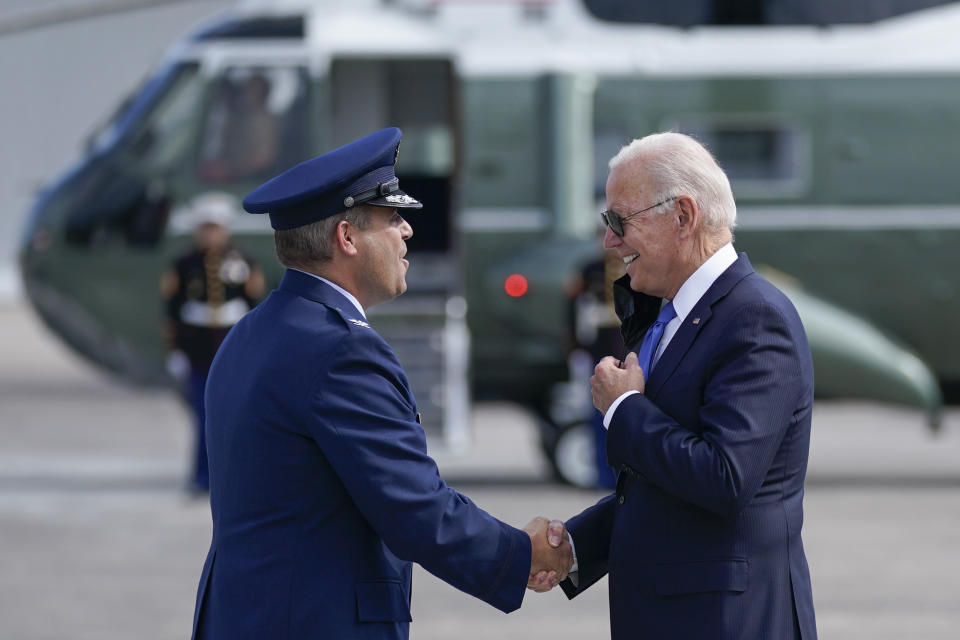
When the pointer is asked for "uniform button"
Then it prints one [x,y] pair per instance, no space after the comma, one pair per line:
[620,499]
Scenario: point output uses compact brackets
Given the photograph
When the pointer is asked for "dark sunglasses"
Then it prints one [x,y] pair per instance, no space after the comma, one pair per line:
[615,222]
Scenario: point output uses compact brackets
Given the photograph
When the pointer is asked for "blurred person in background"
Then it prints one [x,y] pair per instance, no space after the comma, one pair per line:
[205,292]
[596,334]
[708,418]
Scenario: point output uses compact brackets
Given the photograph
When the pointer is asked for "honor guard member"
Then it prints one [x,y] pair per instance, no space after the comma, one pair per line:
[321,488]
[205,291]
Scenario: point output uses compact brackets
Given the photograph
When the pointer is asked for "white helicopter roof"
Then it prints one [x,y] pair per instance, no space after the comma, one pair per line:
[519,37]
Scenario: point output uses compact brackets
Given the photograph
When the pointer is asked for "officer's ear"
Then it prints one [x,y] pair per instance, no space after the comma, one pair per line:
[346,239]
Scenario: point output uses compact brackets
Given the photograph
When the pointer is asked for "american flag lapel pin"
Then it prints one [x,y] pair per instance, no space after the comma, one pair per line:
[696,321]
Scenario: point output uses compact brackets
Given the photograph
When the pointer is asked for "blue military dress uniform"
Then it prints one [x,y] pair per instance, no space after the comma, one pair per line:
[321,489]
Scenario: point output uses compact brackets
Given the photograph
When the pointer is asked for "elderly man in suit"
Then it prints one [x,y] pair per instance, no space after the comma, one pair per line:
[321,488]
[708,418]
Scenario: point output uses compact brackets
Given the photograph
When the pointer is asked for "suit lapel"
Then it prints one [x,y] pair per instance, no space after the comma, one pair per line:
[698,317]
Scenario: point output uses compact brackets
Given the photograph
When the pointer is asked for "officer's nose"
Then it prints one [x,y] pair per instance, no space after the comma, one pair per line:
[406,231]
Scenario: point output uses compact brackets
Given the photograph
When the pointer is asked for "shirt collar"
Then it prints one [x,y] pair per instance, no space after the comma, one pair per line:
[343,291]
[697,284]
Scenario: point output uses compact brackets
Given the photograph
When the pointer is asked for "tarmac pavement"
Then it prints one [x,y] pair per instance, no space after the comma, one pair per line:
[98,541]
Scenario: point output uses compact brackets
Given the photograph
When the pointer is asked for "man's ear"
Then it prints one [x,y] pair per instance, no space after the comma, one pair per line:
[688,215]
[345,238]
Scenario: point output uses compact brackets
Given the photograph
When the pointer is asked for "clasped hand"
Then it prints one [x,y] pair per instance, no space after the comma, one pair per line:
[551,556]
[611,379]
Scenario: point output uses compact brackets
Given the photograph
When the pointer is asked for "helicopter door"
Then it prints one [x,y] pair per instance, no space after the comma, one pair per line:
[418,96]
[427,326]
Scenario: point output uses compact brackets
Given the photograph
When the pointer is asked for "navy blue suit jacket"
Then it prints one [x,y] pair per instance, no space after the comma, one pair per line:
[321,488]
[702,537]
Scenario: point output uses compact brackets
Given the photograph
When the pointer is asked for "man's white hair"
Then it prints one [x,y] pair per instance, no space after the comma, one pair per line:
[675,164]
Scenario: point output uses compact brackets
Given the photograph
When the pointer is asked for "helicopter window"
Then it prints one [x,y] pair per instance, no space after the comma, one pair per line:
[254,124]
[761,159]
[505,143]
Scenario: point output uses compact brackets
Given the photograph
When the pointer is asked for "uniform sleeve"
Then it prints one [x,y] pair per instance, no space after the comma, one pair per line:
[748,405]
[362,417]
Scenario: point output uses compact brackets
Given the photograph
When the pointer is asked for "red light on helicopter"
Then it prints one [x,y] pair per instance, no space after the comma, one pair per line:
[515,285]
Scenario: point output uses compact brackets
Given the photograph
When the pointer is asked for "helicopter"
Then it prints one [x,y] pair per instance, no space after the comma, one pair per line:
[833,138]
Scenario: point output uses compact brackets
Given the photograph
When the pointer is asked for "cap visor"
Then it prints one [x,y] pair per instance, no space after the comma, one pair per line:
[397,199]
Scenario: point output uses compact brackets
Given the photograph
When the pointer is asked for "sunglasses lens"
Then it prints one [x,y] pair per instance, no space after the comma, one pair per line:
[612,220]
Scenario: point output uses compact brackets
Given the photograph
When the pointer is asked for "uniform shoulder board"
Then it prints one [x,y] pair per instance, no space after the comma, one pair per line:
[359,323]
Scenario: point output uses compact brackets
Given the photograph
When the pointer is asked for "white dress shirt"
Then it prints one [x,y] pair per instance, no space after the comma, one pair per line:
[683,303]
[345,293]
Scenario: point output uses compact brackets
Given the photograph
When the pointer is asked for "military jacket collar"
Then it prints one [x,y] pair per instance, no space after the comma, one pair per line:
[318,290]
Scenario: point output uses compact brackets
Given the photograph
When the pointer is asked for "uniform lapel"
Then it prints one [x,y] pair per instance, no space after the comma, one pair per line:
[698,317]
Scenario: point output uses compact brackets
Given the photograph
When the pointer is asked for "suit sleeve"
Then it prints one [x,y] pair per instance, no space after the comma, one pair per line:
[591,531]
[753,389]
[361,417]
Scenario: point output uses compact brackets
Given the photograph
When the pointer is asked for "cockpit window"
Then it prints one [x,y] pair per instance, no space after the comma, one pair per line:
[123,197]
[173,124]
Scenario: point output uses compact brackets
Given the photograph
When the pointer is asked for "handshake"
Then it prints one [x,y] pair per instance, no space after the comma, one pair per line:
[552,557]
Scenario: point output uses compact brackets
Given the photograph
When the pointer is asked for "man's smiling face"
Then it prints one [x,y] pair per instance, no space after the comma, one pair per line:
[650,244]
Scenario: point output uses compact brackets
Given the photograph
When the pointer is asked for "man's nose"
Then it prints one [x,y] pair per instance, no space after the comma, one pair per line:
[610,239]
[406,231]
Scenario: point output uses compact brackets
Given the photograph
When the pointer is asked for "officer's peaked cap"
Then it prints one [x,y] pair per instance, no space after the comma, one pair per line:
[358,173]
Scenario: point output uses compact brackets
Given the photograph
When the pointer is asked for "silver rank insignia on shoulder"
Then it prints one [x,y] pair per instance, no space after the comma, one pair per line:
[418,418]
[400,199]
[359,323]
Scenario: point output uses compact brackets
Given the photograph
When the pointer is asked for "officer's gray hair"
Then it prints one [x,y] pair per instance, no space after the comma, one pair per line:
[313,244]
[675,165]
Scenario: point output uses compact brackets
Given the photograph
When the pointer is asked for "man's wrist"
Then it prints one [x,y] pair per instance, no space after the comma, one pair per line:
[573,552]
[573,574]
[608,416]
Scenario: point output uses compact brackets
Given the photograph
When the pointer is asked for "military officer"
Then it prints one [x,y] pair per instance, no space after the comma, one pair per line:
[205,292]
[321,488]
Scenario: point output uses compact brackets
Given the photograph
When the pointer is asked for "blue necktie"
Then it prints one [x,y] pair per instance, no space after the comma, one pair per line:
[652,338]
